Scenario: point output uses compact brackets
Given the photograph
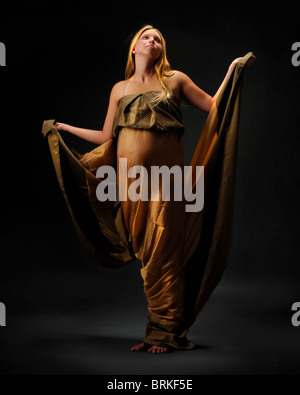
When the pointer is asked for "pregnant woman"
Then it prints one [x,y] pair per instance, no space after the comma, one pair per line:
[182,254]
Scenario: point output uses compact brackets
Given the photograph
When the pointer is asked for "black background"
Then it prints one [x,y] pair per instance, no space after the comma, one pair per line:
[68,314]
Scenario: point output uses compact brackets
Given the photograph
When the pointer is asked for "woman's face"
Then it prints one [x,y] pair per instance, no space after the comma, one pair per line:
[149,44]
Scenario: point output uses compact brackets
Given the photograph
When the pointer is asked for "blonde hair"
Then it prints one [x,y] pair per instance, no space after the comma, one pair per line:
[162,66]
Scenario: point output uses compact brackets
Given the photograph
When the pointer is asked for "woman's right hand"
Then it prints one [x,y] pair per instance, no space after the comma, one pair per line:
[60,126]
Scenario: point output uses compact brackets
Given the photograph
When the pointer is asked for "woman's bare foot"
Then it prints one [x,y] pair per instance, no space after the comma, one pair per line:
[158,350]
[140,347]
[153,349]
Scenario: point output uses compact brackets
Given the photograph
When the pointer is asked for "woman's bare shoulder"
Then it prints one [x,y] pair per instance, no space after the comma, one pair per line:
[176,81]
[117,90]
[178,76]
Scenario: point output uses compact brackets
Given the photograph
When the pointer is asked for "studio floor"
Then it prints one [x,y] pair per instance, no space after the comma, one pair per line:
[67,321]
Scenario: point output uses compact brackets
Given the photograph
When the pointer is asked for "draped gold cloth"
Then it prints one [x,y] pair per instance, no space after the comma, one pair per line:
[183,254]
[139,111]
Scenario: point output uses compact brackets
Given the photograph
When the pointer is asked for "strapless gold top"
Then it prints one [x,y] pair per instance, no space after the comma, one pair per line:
[137,111]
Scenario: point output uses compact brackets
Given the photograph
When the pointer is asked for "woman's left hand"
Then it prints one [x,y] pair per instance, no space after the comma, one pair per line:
[249,63]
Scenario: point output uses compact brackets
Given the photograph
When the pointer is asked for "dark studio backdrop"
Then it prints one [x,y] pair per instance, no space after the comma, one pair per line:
[67,314]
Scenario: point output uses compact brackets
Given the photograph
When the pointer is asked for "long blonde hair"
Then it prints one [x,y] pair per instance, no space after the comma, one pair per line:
[162,66]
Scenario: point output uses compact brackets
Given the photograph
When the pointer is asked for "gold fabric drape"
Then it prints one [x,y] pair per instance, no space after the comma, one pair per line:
[183,254]
[140,111]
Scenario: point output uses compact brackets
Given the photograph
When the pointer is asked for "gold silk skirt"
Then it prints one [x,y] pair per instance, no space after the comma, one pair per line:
[156,228]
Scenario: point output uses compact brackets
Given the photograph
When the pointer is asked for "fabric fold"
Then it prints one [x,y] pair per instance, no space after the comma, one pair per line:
[137,111]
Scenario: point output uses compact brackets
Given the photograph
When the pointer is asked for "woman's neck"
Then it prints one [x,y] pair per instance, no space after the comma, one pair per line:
[144,71]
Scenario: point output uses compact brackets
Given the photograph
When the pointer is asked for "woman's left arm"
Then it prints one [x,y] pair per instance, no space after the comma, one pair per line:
[195,96]
[231,67]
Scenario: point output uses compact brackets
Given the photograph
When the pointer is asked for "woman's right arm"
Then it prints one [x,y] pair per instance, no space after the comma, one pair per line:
[93,136]
[98,136]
